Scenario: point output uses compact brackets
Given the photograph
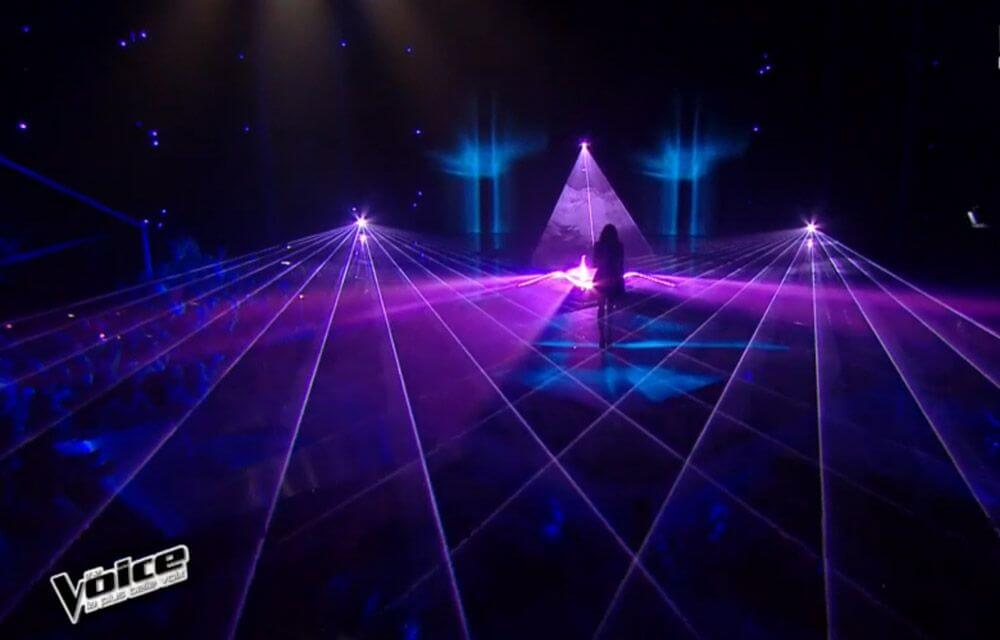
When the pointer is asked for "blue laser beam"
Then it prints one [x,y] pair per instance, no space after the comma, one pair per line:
[26,256]
[72,193]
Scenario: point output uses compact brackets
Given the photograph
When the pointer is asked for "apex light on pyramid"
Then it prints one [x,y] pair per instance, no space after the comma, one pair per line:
[587,203]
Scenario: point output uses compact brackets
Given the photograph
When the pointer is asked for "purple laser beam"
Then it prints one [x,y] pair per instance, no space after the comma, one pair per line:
[554,459]
[42,430]
[107,501]
[909,388]
[234,263]
[690,456]
[951,346]
[819,437]
[77,304]
[442,539]
[518,400]
[585,150]
[917,289]
[295,435]
[93,345]
[582,276]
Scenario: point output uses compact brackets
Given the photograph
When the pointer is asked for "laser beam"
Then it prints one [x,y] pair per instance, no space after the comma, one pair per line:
[47,568]
[909,388]
[295,435]
[28,438]
[76,315]
[442,539]
[697,443]
[97,343]
[823,525]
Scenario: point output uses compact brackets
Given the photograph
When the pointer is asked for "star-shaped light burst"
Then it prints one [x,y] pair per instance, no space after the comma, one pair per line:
[582,277]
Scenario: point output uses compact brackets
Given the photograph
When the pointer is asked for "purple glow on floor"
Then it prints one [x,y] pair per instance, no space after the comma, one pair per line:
[401,435]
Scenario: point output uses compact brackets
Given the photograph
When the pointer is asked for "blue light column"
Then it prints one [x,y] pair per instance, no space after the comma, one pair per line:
[696,227]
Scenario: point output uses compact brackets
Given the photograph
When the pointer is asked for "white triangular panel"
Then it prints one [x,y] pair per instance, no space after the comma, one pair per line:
[587,203]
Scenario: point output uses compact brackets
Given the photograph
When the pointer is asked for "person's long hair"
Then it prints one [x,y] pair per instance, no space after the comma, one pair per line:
[609,236]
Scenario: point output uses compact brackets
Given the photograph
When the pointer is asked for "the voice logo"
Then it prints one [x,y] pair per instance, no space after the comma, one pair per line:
[100,588]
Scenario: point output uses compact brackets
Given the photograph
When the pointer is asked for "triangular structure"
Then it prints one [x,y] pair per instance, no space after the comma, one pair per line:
[586,204]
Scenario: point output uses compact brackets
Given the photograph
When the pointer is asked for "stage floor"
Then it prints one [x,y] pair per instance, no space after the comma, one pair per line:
[363,435]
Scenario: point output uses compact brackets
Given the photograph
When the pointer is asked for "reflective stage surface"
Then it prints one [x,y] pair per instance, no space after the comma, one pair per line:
[364,435]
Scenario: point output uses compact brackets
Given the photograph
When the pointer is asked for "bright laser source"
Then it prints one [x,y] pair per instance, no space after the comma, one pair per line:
[582,277]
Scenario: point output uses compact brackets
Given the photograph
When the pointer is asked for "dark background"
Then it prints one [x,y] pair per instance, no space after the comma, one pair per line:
[879,119]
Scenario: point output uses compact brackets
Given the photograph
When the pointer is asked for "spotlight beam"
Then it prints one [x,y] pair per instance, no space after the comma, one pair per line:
[697,444]
[553,459]
[909,388]
[45,570]
[940,337]
[28,438]
[244,592]
[442,538]
[155,294]
[142,323]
